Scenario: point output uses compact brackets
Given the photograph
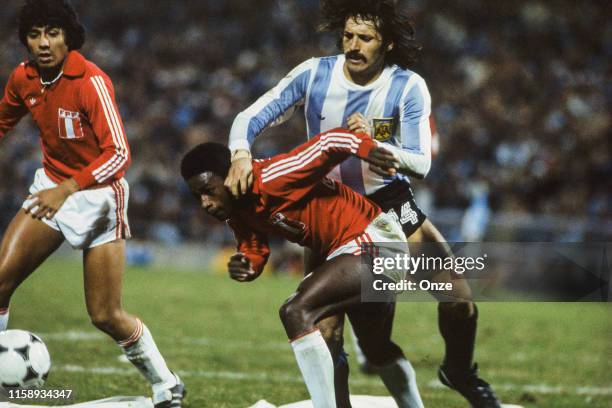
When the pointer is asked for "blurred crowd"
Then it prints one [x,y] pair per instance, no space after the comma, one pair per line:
[522,95]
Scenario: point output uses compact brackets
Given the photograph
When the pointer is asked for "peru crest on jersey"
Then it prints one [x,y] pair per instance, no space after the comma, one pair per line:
[69,124]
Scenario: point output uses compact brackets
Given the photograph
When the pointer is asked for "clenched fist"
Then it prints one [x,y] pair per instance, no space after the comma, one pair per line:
[240,268]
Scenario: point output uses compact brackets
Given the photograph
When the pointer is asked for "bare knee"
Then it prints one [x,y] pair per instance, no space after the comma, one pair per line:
[106,319]
[7,288]
[295,317]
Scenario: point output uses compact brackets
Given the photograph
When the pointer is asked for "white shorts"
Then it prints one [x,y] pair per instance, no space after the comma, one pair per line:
[384,237]
[88,218]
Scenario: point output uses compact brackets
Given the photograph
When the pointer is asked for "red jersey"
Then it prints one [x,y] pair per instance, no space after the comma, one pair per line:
[81,132]
[293,198]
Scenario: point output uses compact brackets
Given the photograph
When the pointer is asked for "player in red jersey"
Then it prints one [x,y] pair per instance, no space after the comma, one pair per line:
[292,197]
[79,195]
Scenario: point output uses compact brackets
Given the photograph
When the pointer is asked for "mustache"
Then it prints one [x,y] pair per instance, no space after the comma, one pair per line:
[355,55]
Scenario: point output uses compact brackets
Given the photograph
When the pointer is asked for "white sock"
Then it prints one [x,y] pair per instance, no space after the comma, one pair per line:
[315,362]
[4,315]
[400,379]
[142,352]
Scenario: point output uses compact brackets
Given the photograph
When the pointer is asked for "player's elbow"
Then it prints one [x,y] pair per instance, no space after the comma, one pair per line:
[418,168]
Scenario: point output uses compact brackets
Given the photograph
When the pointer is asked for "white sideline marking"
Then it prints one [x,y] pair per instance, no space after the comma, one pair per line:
[91,335]
[75,335]
[233,375]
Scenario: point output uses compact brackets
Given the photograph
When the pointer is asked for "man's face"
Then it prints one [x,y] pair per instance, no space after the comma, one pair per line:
[214,197]
[48,46]
[363,47]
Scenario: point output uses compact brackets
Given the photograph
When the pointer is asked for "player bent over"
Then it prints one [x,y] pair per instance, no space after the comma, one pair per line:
[292,197]
[79,195]
[370,88]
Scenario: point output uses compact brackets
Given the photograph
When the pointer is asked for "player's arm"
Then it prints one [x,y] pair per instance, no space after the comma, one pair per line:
[271,109]
[98,103]
[414,157]
[294,174]
[253,252]
[12,108]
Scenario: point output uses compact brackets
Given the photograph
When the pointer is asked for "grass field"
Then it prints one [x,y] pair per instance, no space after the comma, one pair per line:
[226,341]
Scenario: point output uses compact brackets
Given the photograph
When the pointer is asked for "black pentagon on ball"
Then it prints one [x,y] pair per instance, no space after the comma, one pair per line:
[23,352]
[9,386]
[31,374]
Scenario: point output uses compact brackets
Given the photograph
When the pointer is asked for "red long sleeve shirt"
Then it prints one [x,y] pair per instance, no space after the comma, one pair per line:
[81,132]
[293,198]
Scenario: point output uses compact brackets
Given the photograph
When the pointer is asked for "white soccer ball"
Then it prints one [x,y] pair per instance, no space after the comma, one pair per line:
[24,360]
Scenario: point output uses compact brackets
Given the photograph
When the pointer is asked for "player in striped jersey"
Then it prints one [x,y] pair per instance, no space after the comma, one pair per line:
[79,195]
[370,88]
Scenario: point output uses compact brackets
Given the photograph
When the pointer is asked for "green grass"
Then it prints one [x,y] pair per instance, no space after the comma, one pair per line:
[226,340]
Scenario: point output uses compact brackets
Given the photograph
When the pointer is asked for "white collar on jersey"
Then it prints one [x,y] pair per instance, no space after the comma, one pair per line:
[54,80]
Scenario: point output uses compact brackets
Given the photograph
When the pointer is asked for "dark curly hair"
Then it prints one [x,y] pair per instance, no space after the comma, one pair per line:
[51,13]
[393,25]
[213,157]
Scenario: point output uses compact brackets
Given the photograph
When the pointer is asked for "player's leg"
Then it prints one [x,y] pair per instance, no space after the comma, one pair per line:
[397,200]
[332,330]
[373,324]
[27,242]
[328,290]
[103,270]
[457,322]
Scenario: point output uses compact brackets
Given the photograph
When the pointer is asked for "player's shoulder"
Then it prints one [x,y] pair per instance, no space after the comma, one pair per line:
[20,73]
[412,80]
[406,73]
[92,70]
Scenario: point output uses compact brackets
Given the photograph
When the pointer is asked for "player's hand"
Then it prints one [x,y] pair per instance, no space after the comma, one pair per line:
[240,177]
[382,162]
[391,171]
[240,268]
[359,124]
[46,203]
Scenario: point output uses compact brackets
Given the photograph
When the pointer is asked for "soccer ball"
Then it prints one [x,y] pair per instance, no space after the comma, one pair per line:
[24,360]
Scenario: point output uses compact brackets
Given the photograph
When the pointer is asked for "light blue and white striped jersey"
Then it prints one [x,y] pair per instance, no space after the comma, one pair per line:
[397,104]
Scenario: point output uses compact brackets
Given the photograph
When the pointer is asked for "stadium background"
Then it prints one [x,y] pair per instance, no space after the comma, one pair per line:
[521,91]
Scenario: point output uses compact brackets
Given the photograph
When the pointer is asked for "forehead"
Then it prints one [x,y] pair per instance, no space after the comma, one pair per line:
[360,25]
[203,180]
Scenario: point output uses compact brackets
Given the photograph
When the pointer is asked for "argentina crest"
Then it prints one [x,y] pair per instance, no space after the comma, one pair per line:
[382,128]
